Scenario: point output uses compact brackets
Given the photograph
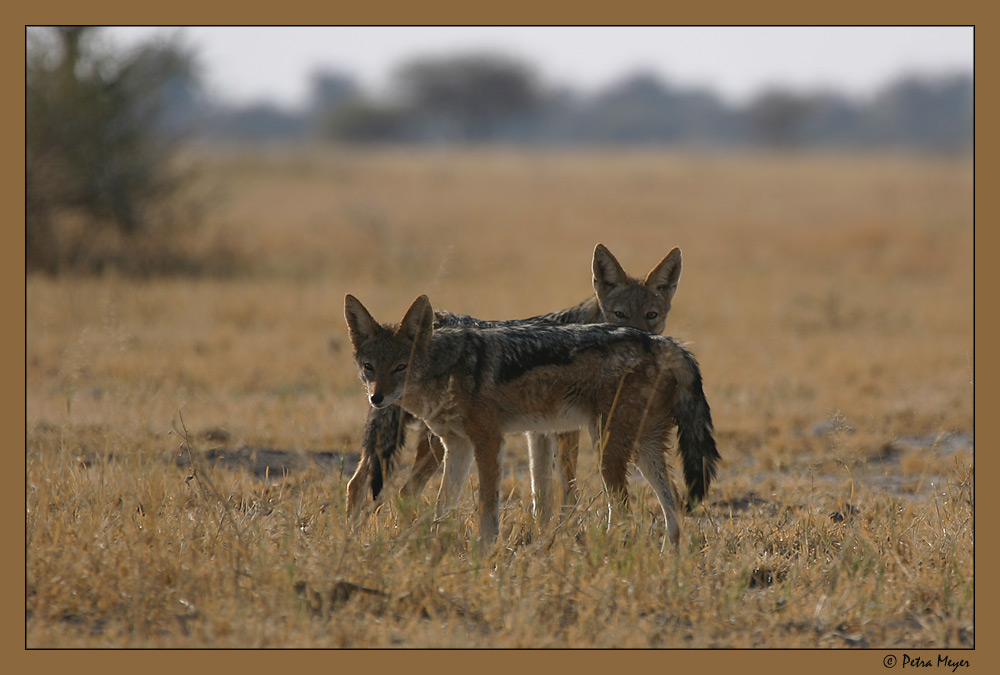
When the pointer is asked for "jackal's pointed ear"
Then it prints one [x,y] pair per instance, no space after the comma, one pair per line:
[607,272]
[418,322]
[664,277]
[360,323]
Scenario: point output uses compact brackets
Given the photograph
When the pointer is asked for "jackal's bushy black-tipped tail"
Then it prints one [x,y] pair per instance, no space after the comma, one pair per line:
[695,437]
[384,435]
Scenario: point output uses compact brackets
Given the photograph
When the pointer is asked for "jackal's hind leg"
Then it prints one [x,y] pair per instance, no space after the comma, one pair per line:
[653,467]
[489,460]
[569,452]
[614,453]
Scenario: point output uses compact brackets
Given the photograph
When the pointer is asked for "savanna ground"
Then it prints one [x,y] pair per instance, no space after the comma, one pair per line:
[189,439]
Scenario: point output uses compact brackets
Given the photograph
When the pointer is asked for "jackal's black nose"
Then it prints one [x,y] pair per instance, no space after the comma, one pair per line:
[376,398]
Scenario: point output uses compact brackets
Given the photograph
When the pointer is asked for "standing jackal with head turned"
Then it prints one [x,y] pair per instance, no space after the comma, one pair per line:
[473,385]
[618,299]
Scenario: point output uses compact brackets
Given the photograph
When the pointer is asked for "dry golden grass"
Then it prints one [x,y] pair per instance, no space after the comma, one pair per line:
[827,298]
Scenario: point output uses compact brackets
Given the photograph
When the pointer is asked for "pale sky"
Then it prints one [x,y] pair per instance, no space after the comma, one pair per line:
[273,64]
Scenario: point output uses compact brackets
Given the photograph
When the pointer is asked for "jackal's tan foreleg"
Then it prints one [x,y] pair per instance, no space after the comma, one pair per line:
[356,488]
[458,456]
[540,449]
[430,455]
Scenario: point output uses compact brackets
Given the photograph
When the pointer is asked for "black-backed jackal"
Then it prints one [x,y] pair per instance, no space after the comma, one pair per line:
[618,299]
[473,385]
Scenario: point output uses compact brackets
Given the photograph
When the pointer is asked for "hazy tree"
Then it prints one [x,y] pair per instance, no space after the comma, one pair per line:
[469,97]
[831,120]
[257,122]
[643,108]
[361,121]
[778,117]
[930,112]
[97,146]
[637,108]
[330,90]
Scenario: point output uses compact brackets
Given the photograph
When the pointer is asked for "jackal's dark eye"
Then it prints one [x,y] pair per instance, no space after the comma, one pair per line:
[368,367]
[620,314]
[400,368]
[651,315]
